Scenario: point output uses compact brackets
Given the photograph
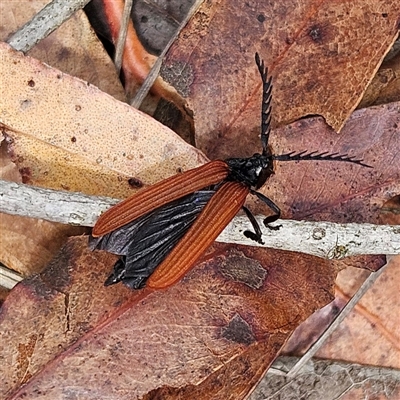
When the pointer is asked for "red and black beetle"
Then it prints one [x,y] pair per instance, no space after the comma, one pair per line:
[162,230]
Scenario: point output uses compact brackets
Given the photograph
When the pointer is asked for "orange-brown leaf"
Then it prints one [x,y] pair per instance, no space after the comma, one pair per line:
[67,333]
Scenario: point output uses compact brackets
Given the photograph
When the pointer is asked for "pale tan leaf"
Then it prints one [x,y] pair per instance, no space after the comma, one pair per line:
[73,47]
[64,133]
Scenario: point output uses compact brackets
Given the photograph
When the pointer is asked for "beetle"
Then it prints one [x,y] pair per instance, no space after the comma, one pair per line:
[162,230]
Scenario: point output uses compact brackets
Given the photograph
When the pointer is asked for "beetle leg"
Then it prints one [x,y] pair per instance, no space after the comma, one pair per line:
[273,207]
[257,234]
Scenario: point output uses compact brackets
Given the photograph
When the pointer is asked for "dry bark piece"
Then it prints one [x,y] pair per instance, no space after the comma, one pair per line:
[311,48]
[213,326]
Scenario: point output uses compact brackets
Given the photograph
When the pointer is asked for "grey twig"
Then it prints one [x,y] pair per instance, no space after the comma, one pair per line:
[51,205]
[323,239]
[123,30]
[44,22]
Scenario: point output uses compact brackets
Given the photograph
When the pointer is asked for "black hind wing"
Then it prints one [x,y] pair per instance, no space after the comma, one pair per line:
[146,241]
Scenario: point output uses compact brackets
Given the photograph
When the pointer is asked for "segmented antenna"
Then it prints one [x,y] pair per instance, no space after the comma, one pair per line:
[266,128]
[266,103]
[316,156]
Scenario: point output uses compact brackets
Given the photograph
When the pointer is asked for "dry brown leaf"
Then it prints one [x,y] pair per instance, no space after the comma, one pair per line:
[385,87]
[106,17]
[322,55]
[371,333]
[327,380]
[73,47]
[66,134]
[27,244]
[213,333]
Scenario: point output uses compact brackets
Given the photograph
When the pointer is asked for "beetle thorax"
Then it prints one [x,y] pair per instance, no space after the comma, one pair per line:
[252,171]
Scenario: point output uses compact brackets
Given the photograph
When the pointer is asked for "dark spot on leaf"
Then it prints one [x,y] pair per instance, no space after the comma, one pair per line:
[64,54]
[73,139]
[335,310]
[78,108]
[383,78]
[144,19]
[31,83]
[289,40]
[25,174]
[261,18]
[135,182]
[316,33]
[239,331]
[384,15]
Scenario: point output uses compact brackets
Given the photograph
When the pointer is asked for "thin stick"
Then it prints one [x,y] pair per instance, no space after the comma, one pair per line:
[323,239]
[47,20]
[51,205]
[155,70]
[119,49]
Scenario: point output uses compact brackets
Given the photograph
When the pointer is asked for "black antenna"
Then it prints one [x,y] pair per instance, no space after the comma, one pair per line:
[266,103]
[266,129]
[316,156]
